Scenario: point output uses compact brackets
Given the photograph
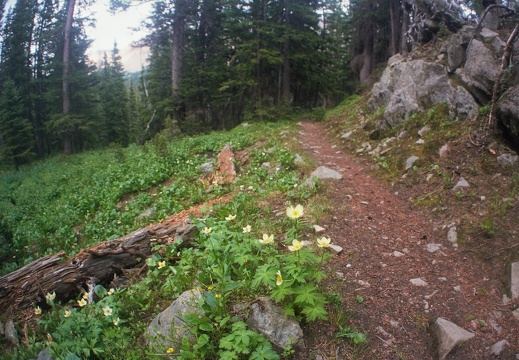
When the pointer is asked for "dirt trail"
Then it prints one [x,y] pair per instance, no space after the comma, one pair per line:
[385,242]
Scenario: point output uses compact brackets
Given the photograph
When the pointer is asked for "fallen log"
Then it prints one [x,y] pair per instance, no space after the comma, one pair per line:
[26,287]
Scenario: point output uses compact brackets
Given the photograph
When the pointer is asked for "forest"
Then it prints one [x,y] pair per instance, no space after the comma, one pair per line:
[212,65]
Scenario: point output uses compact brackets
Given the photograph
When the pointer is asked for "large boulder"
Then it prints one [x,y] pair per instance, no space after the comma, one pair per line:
[507,112]
[407,87]
[481,70]
[456,47]
[168,328]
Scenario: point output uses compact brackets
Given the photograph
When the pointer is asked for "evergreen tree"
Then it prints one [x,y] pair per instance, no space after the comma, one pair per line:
[15,129]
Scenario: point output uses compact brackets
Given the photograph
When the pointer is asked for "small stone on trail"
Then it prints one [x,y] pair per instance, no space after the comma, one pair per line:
[462,183]
[398,254]
[514,281]
[498,347]
[318,228]
[429,177]
[335,248]
[207,167]
[298,160]
[423,130]
[322,172]
[433,247]
[449,336]
[506,160]
[443,150]
[420,142]
[346,135]
[410,162]
[457,288]
[418,282]
[452,236]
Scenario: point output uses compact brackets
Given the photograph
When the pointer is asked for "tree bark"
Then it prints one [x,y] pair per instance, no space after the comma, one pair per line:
[25,288]
[177,56]
[286,94]
[67,142]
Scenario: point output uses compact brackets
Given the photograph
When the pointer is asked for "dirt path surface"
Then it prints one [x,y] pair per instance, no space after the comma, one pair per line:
[387,243]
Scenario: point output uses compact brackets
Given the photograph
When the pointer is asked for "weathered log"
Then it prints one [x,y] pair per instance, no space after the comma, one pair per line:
[26,287]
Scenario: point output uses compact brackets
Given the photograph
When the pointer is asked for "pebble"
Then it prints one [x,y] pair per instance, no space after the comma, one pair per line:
[398,254]
[433,247]
[418,282]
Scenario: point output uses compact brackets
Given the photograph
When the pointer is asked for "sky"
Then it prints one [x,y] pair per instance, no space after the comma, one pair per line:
[112,28]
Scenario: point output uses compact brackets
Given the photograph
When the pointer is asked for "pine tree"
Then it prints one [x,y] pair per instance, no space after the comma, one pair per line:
[15,129]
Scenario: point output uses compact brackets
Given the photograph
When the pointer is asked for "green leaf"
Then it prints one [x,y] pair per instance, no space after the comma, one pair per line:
[308,295]
[265,274]
[359,338]
[206,326]
[315,312]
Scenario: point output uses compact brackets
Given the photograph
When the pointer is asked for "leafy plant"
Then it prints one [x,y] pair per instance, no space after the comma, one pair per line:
[349,332]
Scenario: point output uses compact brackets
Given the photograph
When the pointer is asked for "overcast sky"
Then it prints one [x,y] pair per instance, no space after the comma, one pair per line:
[110,28]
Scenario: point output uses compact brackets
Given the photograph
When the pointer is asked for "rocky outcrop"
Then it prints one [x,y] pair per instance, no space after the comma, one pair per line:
[449,336]
[507,112]
[411,86]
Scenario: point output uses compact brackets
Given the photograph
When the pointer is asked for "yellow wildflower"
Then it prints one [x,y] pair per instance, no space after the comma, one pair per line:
[107,311]
[37,310]
[67,313]
[82,302]
[161,264]
[85,296]
[247,229]
[170,350]
[116,321]
[230,217]
[207,230]
[296,245]
[267,239]
[323,242]
[218,296]
[295,212]
[111,291]
[50,296]
[279,278]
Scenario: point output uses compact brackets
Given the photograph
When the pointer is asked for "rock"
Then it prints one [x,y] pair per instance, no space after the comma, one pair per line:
[335,248]
[433,247]
[449,336]
[45,355]
[168,328]
[146,213]
[418,282]
[507,159]
[207,167]
[462,183]
[507,112]
[493,18]
[498,347]
[443,151]
[429,177]
[456,46]
[410,162]
[514,280]
[481,68]
[266,166]
[346,135]
[11,334]
[322,172]
[308,183]
[423,130]
[298,160]
[318,229]
[487,35]
[270,320]
[410,86]
[515,313]
[398,254]
[452,236]
[420,142]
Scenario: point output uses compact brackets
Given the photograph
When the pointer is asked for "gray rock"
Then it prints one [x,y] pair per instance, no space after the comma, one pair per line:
[207,167]
[298,160]
[346,135]
[318,229]
[410,162]
[266,166]
[514,280]
[308,183]
[449,336]
[487,35]
[11,334]
[443,151]
[507,159]
[335,248]
[507,112]
[498,347]
[423,130]
[420,142]
[417,85]
[433,247]
[452,236]
[482,66]
[168,328]
[515,313]
[398,254]
[462,183]
[270,320]
[456,46]
[322,172]
[45,355]
[418,282]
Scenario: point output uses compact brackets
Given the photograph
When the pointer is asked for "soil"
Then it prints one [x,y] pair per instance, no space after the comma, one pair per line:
[384,239]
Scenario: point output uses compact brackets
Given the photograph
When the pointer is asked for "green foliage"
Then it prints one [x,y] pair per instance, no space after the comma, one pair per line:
[349,332]
[488,227]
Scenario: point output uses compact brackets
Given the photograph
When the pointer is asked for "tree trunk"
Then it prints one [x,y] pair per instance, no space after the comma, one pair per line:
[67,142]
[286,95]
[394,14]
[25,288]
[177,57]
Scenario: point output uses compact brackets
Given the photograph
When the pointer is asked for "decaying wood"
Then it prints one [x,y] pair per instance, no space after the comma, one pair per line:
[25,288]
